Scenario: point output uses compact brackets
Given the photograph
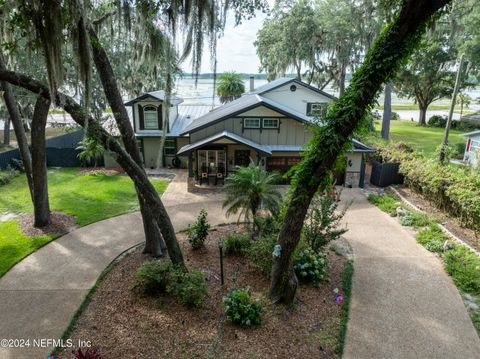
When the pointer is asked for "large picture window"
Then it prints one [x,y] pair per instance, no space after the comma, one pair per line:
[212,162]
[150,117]
[251,123]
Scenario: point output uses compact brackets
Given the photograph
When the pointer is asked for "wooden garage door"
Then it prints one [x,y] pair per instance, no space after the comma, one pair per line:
[281,164]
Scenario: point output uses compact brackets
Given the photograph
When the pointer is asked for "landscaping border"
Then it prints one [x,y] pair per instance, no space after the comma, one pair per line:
[441,226]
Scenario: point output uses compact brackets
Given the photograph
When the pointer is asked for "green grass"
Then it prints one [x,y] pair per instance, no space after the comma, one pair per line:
[425,139]
[347,292]
[386,202]
[14,245]
[464,267]
[416,219]
[89,198]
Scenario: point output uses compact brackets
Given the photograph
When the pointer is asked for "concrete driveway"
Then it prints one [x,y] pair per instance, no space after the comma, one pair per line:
[403,303]
[39,295]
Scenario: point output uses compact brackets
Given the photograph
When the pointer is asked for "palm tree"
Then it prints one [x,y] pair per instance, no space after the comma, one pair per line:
[90,149]
[250,189]
[230,87]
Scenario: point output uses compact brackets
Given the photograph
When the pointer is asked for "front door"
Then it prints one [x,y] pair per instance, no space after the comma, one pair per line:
[242,157]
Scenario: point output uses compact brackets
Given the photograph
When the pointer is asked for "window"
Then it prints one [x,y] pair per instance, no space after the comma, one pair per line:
[251,123]
[170,147]
[150,117]
[212,161]
[271,122]
[317,109]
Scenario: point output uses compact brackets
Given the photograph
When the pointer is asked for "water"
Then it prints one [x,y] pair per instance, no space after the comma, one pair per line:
[203,94]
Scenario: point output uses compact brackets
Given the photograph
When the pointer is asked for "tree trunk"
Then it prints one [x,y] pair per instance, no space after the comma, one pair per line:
[6,131]
[20,134]
[387,111]
[422,117]
[341,80]
[39,164]
[153,239]
[391,48]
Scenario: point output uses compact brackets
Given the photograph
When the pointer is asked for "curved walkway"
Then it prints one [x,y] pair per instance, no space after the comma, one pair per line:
[39,294]
[403,304]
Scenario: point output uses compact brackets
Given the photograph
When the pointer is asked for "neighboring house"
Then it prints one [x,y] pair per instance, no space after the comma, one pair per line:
[472,148]
[268,125]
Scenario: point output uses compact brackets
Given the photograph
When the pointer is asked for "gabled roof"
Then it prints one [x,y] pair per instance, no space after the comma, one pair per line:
[361,147]
[221,135]
[240,105]
[468,134]
[156,95]
[285,81]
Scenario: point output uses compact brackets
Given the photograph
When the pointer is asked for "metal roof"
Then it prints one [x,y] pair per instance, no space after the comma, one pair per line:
[361,147]
[156,95]
[239,106]
[224,134]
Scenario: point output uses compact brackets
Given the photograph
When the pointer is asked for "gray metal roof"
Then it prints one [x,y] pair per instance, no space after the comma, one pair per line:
[361,147]
[473,133]
[239,106]
[224,134]
[158,95]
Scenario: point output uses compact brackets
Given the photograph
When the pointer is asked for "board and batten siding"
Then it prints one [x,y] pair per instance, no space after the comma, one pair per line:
[291,132]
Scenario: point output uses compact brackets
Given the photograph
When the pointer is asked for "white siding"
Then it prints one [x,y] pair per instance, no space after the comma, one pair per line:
[296,100]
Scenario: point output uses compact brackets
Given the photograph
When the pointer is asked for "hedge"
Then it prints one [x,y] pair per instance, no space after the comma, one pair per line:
[451,188]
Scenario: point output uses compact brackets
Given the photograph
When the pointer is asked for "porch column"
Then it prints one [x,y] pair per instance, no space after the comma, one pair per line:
[190,164]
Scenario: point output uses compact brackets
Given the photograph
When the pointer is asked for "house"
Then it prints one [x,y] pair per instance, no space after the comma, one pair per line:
[472,148]
[268,125]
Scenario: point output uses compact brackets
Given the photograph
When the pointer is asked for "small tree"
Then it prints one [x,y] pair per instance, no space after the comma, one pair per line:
[322,220]
[91,150]
[463,99]
[230,87]
[250,189]
[198,232]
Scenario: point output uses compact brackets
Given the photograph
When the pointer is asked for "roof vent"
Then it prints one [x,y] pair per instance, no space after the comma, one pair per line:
[293,88]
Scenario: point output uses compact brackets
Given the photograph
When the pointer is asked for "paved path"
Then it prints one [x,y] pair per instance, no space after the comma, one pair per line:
[39,295]
[403,303]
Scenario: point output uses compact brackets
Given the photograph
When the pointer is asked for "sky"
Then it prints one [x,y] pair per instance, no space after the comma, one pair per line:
[235,50]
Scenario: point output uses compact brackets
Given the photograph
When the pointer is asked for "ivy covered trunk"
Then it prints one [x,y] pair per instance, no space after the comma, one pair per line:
[39,164]
[153,230]
[390,50]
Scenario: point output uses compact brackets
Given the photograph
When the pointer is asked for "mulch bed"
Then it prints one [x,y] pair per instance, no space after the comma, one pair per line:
[451,223]
[61,223]
[122,324]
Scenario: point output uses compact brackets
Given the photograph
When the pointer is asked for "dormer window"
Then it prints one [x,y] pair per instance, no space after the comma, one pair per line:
[150,117]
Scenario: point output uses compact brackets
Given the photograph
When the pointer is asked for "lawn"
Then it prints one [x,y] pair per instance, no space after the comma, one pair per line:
[425,139]
[89,198]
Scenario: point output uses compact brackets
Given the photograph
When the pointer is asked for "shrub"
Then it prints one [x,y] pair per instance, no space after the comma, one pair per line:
[459,149]
[430,234]
[416,219]
[88,354]
[437,121]
[190,288]
[311,266]
[153,277]
[385,202]
[198,232]
[267,225]
[260,254]
[236,244]
[7,176]
[241,310]
[464,267]
[322,220]
[435,246]
[395,116]
[159,277]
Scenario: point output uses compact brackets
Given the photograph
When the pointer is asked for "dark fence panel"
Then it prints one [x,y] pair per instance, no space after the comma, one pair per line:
[7,157]
[68,140]
[385,174]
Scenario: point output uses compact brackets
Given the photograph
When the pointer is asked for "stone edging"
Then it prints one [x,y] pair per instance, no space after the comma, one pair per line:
[442,227]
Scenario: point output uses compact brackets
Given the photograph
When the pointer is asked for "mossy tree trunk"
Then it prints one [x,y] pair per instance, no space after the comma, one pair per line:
[390,50]
[153,233]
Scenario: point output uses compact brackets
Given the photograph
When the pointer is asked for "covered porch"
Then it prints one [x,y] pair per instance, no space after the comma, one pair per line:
[214,158]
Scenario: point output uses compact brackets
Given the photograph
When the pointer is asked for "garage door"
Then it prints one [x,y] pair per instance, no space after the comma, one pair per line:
[281,164]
